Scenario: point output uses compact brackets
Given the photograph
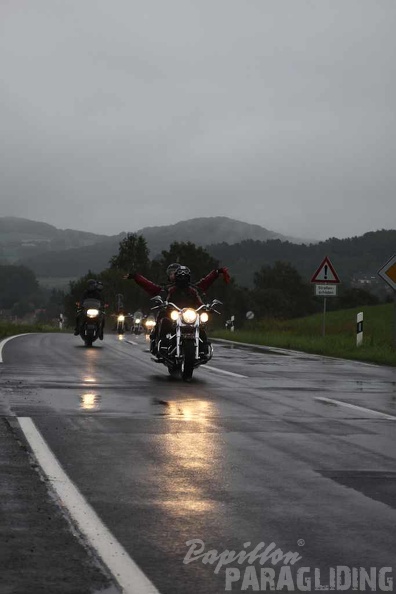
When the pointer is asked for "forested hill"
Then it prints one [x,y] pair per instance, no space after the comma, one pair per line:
[352,257]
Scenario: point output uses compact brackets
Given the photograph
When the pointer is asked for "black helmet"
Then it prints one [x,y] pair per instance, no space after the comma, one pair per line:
[172,268]
[92,284]
[182,275]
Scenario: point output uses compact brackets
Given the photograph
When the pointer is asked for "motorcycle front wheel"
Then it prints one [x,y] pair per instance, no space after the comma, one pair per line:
[189,360]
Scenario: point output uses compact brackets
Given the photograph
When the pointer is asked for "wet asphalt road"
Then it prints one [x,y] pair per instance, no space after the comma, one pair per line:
[225,459]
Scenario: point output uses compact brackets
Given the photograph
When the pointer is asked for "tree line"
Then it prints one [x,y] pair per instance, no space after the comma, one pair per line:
[279,290]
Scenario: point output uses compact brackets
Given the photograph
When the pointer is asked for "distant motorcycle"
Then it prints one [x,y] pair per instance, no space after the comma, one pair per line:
[137,327]
[187,347]
[120,324]
[149,324]
[91,321]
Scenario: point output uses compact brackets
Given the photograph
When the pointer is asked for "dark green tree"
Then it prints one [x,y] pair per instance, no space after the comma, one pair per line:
[133,254]
[198,260]
[19,284]
[281,292]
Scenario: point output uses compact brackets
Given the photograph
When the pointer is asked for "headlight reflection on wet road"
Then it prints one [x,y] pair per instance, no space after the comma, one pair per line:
[89,401]
[190,459]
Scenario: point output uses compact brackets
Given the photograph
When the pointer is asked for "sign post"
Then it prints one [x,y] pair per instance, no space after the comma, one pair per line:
[388,274]
[359,329]
[326,280]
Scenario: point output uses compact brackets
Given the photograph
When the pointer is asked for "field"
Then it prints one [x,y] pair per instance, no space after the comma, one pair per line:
[305,334]
[10,329]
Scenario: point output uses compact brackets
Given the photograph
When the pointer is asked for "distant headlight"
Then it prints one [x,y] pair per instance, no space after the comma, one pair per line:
[204,317]
[189,316]
[92,313]
[137,320]
[150,323]
[121,318]
[174,315]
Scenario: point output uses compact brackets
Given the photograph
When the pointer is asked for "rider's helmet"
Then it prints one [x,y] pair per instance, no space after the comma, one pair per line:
[182,276]
[170,271]
[92,284]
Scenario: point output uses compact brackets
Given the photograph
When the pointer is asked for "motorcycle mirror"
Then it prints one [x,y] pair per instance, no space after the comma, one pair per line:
[217,302]
[156,299]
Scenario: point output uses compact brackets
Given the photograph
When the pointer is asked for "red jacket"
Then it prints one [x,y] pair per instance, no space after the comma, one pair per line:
[154,289]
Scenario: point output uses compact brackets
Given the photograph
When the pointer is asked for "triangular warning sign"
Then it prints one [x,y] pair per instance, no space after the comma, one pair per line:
[325,273]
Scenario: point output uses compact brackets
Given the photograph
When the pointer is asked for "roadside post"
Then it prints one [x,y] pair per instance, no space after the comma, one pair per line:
[359,329]
[325,280]
[388,273]
[61,320]
[230,324]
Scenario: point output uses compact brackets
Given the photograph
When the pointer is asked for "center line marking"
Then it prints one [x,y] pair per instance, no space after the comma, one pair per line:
[124,570]
[131,342]
[376,413]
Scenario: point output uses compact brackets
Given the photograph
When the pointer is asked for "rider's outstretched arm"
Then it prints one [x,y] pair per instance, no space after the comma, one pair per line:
[209,279]
[150,287]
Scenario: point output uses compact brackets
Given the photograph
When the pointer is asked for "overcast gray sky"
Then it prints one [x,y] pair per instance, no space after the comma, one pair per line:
[119,114]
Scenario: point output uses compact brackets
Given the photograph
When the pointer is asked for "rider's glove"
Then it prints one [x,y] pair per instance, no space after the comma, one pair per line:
[130,275]
[224,272]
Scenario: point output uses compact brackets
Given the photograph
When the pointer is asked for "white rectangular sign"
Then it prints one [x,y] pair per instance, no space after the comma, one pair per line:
[326,290]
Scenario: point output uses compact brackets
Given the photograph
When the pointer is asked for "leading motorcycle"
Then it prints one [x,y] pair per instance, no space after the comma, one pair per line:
[91,321]
[186,347]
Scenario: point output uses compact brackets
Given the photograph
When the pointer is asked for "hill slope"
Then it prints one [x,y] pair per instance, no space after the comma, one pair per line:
[202,231]
[22,238]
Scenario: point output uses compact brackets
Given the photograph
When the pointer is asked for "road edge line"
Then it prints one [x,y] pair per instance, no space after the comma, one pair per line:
[124,570]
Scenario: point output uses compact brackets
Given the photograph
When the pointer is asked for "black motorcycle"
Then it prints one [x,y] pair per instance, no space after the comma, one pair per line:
[120,324]
[91,316]
[186,346]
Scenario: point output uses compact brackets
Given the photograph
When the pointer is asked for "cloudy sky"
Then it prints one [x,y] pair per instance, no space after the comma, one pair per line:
[119,114]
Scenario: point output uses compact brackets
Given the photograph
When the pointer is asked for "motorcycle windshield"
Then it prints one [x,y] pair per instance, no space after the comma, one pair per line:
[92,304]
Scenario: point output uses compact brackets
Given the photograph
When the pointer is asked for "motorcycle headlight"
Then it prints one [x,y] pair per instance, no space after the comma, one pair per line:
[120,318]
[189,316]
[92,313]
[204,317]
[150,323]
[174,315]
[137,320]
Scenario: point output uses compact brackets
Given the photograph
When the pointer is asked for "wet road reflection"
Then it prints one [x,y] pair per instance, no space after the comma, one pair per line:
[191,460]
[89,401]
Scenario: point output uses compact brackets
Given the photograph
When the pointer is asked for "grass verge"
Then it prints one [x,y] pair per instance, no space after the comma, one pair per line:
[10,329]
[305,334]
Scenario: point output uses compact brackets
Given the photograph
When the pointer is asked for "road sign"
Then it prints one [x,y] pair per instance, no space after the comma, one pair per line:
[325,290]
[250,315]
[325,273]
[388,272]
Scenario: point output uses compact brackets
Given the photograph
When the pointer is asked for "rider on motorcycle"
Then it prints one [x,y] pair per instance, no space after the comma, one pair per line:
[153,289]
[93,291]
[179,288]
[183,294]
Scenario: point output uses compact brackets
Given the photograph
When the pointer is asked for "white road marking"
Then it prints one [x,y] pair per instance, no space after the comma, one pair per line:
[132,342]
[124,569]
[3,342]
[376,413]
[224,371]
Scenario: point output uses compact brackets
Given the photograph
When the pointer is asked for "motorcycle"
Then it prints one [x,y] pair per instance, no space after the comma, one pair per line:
[186,347]
[92,321]
[120,324]
[137,327]
[149,324]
